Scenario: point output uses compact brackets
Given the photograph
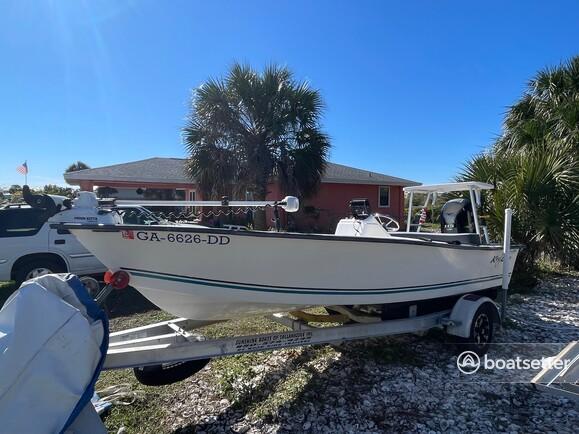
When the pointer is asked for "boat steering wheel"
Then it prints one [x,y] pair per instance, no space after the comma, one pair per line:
[387,222]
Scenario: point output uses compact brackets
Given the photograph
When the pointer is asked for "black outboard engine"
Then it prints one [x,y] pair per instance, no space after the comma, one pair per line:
[456,217]
[360,208]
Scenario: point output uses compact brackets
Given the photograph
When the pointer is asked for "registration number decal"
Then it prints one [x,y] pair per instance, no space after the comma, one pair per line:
[177,238]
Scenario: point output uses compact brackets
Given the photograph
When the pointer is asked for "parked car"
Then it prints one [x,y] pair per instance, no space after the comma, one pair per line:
[29,247]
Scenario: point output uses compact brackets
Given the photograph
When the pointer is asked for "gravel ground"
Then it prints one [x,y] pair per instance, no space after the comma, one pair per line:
[402,384]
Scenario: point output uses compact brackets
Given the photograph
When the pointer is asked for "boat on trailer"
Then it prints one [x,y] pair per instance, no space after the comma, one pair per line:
[211,274]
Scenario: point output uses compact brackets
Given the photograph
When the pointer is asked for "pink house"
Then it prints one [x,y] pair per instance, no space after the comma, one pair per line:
[165,178]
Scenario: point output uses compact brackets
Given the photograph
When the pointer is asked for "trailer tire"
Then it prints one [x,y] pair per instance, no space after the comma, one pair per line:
[481,330]
[168,373]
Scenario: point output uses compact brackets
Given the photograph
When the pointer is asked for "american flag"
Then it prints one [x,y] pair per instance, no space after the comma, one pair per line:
[422,218]
[23,169]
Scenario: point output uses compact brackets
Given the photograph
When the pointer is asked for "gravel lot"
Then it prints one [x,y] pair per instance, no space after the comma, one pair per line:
[402,384]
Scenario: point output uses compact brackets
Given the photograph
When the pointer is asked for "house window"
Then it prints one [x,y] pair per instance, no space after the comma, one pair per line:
[180,194]
[383,196]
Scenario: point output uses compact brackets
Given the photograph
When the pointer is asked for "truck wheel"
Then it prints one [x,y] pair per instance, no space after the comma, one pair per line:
[481,330]
[168,373]
[36,268]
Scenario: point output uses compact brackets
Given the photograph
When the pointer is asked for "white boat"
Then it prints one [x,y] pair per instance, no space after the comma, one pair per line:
[206,273]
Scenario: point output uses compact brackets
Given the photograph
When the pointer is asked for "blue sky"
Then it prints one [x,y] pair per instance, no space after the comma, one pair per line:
[413,88]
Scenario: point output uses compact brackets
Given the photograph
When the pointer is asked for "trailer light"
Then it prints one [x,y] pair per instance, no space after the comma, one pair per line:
[118,280]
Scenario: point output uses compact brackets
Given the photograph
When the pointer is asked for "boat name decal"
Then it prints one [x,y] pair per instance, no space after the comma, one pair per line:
[497,259]
[177,238]
[85,218]
[259,343]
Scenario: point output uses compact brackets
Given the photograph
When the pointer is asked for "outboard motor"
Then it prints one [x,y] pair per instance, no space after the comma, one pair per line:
[360,208]
[456,217]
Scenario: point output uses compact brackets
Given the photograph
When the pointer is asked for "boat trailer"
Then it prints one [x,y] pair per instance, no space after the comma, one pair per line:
[172,341]
[170,351]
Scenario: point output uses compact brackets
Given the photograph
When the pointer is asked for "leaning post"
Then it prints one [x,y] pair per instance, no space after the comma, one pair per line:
[506,260]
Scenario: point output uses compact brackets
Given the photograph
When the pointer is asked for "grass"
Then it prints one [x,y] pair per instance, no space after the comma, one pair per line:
[6,285]
[151,412]
[143,415]
[6,289]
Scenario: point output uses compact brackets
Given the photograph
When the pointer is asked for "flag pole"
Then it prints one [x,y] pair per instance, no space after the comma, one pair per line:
[26,173]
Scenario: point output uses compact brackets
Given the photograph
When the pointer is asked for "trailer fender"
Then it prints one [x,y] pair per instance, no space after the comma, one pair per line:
[462,314]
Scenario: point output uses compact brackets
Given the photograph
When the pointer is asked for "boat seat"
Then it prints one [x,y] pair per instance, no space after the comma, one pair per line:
[472,239]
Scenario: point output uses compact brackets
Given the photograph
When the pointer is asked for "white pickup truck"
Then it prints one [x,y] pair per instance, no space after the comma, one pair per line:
[29,247]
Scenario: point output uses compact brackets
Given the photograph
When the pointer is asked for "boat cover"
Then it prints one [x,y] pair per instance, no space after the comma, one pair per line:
[53,342]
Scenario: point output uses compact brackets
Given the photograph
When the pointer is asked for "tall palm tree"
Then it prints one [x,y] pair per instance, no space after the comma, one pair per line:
[75,167]
[251,128]
[534,166]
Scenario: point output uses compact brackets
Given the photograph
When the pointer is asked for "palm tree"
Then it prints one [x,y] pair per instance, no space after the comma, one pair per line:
[534,166]
[251,128]
[57,190]
[548,112]
[75,167]
[542,188]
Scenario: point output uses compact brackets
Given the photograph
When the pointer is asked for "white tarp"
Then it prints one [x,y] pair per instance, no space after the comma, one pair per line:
[53,341]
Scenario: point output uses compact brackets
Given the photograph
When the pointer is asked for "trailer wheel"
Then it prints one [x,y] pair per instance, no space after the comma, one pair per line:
[481,330]
[92,286]
[168,373]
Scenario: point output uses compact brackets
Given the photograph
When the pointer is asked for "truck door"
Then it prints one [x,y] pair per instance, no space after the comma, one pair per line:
[22,232]
[80,259]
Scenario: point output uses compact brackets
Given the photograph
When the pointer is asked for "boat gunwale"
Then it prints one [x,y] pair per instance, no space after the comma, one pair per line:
[283,235]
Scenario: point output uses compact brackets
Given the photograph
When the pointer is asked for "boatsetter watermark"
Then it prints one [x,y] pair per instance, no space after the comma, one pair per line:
[469,362]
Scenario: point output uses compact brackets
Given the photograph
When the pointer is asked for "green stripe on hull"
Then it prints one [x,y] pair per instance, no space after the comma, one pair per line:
[313,291]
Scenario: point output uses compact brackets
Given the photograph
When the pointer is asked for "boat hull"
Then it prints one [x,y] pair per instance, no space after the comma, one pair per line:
[207,274]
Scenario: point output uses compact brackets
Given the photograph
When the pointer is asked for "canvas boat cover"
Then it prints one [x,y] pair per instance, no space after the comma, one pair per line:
[53,342]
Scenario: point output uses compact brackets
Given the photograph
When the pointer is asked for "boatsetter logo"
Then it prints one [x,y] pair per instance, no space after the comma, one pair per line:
[468,362]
